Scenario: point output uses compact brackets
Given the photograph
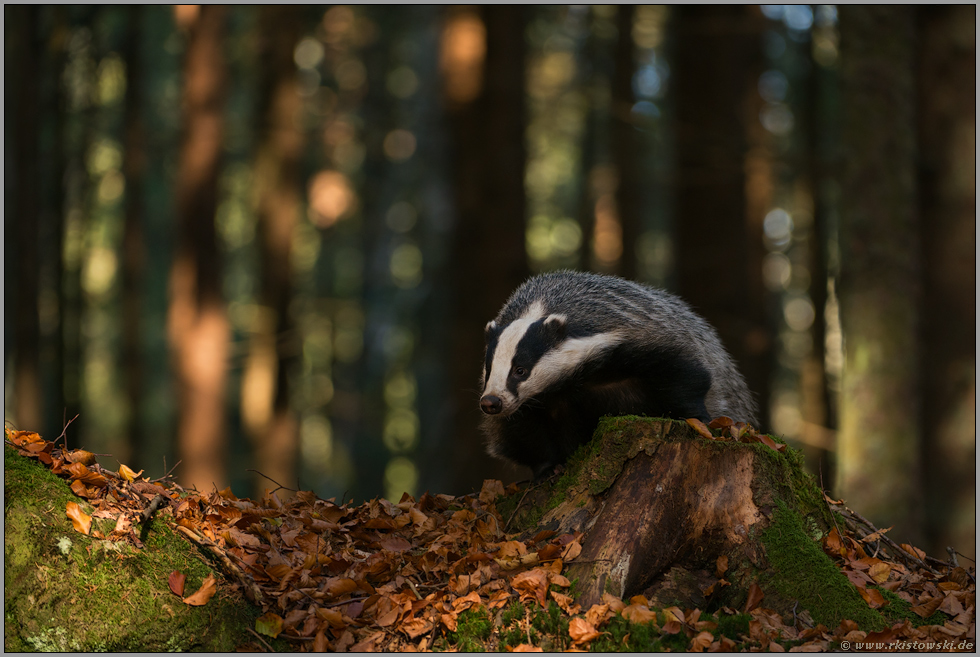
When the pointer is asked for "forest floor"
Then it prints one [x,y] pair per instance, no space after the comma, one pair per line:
[112,561]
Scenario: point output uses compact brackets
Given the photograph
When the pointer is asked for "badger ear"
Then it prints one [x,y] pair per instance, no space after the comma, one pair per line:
[556,326]
[490,328]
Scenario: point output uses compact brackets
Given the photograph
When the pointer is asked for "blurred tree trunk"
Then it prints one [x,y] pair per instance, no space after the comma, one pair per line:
[133,248]
[197,318]
[487,124]
[718,60]
[53,196]
[818,405]
[267,416]
[21,226]
[878,446]
[947,183]
[625,145]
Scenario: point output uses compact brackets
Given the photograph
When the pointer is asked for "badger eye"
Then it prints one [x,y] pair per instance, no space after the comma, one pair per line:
[520,372]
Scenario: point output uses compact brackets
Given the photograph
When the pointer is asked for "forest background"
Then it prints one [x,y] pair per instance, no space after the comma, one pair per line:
[267,239]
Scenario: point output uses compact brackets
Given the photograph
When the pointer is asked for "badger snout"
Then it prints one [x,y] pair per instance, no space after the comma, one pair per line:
[491,404]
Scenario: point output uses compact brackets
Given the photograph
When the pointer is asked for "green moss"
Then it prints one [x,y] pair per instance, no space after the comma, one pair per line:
[801,571]
[733,627]
[619,635]
[69,592]
[898,610]
[473,628]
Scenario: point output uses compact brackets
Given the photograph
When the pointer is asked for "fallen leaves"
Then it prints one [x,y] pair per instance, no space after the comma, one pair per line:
[401,576]
[200,597]
[81,521]
[730,430]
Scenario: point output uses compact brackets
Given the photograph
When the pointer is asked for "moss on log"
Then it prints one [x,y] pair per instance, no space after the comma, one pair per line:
[67,592]
[658,505]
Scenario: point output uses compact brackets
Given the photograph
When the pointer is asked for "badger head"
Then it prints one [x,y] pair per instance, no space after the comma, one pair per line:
[531,354]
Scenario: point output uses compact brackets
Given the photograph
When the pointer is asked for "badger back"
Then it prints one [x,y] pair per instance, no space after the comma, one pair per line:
[556,324]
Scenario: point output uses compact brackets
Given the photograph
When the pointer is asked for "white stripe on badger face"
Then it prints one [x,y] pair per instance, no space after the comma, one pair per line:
[503,356]
[565,359]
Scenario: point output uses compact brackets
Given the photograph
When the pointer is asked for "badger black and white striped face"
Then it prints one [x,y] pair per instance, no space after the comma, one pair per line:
[530,354]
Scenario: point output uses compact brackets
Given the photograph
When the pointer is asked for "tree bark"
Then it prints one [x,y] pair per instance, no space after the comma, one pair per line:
[662,512]
[878,449]
[490,259]
[626,145]
[718,235]
[23,221]
[267,416]
[197,320]
[133,246]
[946,176]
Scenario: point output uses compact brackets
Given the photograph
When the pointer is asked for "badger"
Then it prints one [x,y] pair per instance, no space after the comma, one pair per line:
[569,347]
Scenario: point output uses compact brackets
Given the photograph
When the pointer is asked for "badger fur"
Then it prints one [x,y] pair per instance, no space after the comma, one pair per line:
[569,347]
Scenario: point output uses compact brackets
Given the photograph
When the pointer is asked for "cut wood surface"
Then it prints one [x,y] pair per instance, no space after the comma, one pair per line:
[659,505]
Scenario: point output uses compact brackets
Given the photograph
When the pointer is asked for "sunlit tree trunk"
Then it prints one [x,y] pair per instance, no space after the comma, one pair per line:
[719,215]
[878,451]
[21,225]
[267,417]
[133,248]
[947,182]
[197,320]
[484,69]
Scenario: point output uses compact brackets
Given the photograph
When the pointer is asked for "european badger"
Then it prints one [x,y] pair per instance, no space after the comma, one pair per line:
[570,347]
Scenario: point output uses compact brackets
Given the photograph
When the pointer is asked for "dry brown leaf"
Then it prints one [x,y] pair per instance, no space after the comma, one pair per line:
[582,631]
[128,474]
[491,490]
[880,571]
[525,647]
[80,456]
[873,597]
[176,582]
[614,603]
[320,642]
[200,597]
[874,536]
[532,585]
[700,427]
[927,606]
[701,642]
[754,598]
[639,613]
[566,602]
[81,521]
[571,551]
[598,614]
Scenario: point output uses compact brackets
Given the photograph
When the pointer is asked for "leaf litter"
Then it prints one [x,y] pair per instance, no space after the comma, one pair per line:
[385,576]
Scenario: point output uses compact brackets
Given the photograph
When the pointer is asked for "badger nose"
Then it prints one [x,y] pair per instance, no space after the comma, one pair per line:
[491,405]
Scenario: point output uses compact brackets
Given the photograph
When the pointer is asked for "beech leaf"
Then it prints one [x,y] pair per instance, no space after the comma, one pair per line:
[176,582]
[200,597]
[81,521]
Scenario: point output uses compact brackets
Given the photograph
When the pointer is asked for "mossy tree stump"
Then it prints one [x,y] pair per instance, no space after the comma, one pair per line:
[658,505]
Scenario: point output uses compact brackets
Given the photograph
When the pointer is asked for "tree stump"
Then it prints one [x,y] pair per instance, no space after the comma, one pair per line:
[658,505]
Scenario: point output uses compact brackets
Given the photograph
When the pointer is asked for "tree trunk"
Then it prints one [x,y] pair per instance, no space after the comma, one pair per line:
[626,145]
[656,507]
[947,173]
[267,416]
[878,450]
[23,221]
[197,319]
[490,259]
[719,242]
[133,247]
